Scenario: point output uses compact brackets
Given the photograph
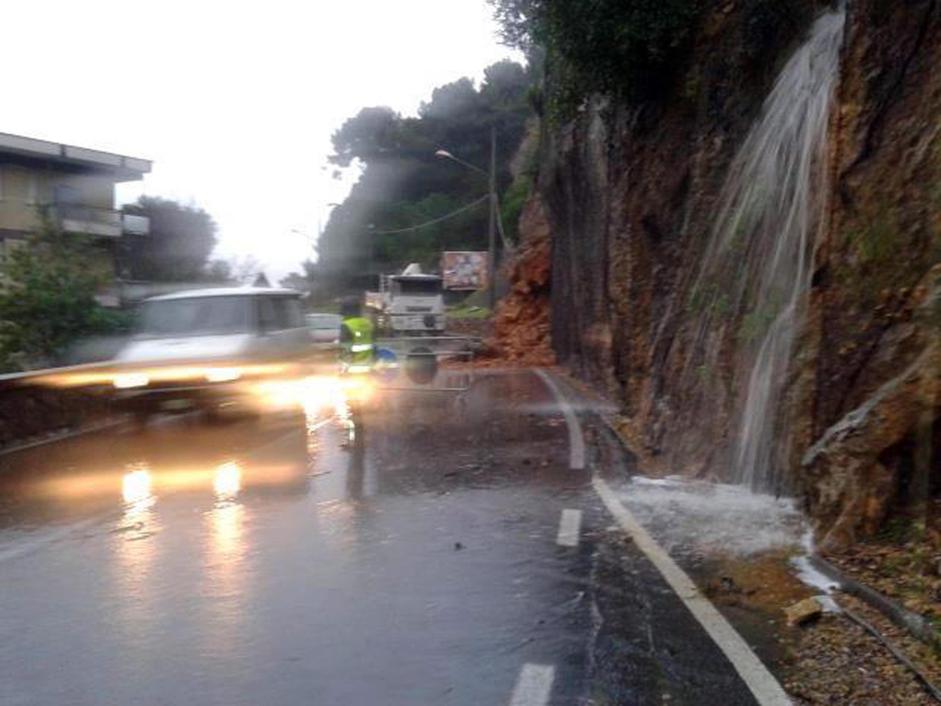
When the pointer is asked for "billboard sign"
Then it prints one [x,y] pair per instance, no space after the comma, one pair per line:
[464,270]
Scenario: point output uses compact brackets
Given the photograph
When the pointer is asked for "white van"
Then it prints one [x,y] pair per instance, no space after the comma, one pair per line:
[195,349]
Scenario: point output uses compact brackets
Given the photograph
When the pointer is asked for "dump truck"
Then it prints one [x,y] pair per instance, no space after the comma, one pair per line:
[410,303]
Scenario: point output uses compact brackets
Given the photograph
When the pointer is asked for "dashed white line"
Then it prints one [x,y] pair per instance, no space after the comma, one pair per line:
[576,440]
[569,527]
[533,686]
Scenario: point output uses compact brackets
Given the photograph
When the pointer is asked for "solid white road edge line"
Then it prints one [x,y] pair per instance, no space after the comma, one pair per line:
[576,440]
[764,687]
[533,686]
[569,527]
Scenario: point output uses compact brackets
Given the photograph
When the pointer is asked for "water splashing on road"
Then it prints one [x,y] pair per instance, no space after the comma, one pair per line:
[700,518]
[757,268]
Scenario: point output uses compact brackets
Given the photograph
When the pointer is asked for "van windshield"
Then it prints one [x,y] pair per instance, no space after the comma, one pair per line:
[196,316]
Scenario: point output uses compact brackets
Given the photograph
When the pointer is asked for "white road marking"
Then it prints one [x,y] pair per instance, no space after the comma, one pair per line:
[533,686]
[28,545]
[765,688]
[569,527]
[576,440]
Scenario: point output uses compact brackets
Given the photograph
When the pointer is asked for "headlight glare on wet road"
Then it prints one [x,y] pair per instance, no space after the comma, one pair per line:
[227,480]
[357,387]
[223,374]
[126,381]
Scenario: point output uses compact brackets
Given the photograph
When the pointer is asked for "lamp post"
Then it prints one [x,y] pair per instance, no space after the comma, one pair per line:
[492,226]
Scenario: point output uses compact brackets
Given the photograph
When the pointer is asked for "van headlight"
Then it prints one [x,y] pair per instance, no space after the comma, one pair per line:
[223,374]
[126,381]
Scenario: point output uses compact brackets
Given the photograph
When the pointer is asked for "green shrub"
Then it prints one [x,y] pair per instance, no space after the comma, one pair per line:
[511,206]
[624,47]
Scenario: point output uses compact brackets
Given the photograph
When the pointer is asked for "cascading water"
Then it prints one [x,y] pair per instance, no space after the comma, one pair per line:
[757,268]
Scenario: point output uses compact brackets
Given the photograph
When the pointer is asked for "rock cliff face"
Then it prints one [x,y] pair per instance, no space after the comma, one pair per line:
[631,194]
[870,360]
[521,328]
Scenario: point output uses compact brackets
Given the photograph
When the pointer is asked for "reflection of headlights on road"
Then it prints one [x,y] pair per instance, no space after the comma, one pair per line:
[228,480]
[135,486]
[358,388]
[279,394]
[125,381]
[223,374]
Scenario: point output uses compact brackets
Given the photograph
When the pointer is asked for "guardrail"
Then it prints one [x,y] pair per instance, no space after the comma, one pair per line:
[40,375]
[44,403]
[34,409]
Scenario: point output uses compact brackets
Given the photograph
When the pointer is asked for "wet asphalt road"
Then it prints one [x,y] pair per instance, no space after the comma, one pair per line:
[264,563]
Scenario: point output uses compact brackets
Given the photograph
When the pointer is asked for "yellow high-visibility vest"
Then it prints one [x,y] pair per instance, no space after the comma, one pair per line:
[358,346]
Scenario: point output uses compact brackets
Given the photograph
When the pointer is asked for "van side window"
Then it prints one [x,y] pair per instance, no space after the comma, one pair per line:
[268,314]
[294,318]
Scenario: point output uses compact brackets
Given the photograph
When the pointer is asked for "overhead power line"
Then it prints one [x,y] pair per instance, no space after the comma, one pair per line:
[445,217]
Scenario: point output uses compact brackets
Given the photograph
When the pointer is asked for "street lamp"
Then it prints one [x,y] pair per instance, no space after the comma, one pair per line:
[444,154]
[492,227]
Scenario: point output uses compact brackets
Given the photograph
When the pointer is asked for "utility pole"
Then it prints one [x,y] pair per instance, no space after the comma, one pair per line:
[492,231]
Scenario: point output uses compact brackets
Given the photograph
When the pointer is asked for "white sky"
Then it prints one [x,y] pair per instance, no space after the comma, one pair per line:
[234,101]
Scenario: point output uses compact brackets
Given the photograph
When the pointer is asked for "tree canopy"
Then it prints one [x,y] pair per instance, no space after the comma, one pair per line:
[178,246]
[403,183]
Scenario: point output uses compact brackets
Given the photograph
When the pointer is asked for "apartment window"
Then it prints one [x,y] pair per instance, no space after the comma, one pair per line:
[66,195]
[17,184]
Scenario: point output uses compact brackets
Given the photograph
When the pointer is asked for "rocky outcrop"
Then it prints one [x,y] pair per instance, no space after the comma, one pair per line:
[521,326]
[630,193]
[849,481]
[869,364]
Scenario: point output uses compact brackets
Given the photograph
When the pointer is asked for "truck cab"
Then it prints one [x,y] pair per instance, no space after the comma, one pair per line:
[410,303]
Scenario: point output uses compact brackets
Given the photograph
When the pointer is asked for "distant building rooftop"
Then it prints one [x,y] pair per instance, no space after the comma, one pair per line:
[31,150]
[226,292]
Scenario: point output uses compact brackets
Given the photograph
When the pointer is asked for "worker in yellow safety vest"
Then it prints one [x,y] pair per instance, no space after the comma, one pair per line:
[357,341]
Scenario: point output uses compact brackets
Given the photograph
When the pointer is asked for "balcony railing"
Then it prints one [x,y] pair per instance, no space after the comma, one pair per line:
[135,225]
[91,220]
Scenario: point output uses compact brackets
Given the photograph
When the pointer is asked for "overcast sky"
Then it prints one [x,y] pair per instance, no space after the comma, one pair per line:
[234,101]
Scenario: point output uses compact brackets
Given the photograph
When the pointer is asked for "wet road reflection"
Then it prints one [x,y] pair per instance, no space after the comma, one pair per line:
[134,554]
[224,580]
[271,561]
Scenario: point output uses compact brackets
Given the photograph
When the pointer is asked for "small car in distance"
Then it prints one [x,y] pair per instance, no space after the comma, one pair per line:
[325,328]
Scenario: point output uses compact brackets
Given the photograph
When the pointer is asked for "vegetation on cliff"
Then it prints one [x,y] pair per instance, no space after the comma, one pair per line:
[635,50]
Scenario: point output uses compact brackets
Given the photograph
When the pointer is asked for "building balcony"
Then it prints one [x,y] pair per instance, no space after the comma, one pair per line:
[135,225]
[105,222]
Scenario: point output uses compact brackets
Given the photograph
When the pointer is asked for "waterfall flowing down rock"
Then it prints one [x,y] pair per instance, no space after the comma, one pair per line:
[757,268]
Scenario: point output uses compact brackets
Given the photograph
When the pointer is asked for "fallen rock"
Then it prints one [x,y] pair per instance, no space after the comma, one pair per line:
[803,611]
